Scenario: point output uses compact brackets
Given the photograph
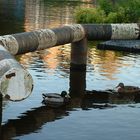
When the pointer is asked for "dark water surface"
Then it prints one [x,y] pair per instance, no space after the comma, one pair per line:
[29,119]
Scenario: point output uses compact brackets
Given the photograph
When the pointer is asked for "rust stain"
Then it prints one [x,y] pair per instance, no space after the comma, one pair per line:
[10,75]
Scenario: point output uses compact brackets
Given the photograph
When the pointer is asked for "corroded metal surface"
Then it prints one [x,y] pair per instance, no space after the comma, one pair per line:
[79,52]
[15,82]
[27,42]
[45,38]
[10,43]
[98,31]
[112,31]
[78,32]
[125,31]
[21,43]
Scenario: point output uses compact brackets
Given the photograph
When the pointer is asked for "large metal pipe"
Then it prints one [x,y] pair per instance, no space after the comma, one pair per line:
[45,38]
[15,82]
[41,39]
[112,31]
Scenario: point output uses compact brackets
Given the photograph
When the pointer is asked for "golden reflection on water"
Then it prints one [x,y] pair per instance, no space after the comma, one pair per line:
[106,62]
[55,57]
[43,14]
[50,58]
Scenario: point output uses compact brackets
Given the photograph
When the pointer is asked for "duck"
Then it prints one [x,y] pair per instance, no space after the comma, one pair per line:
[56,99]
[121,88]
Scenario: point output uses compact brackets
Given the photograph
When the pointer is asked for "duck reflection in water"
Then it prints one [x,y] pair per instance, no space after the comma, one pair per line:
[32,120]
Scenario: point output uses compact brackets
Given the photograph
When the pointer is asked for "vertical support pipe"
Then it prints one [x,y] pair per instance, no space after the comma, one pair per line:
[79,54]
[77,82]
[77,86]
[78,71]
[15,82]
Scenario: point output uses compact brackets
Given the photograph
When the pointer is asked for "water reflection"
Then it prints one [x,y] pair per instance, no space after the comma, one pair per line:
[11,16]
[32,120]
[45,14]
[104,65]
[113,65]
[26,15]
[51,60]
[106,62]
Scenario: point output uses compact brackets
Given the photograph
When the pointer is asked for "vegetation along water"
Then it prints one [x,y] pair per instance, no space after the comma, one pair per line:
[110,12]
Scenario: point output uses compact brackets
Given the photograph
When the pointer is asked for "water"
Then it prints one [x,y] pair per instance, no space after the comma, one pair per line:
[29,119]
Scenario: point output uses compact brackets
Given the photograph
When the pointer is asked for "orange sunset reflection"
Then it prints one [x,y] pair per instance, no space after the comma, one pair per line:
[106,62]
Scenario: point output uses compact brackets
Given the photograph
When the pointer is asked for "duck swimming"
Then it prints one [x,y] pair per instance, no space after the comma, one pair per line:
[55,99]
[121,88]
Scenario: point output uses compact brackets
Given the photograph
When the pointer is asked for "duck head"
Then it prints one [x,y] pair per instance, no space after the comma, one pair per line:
[63,94]
[121,85]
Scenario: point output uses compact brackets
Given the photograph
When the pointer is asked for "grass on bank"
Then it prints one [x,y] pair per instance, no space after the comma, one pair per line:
[107,12]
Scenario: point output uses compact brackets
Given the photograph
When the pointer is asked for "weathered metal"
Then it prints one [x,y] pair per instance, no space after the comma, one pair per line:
[79,54]
[77,82]
[15,82]
[125,31]
[42,39]
[21,43]
[112,31]
[98,31]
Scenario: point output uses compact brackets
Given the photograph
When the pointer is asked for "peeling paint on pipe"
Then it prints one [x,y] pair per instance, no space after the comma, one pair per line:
[112,31]
[15,82]
[21,43]
[45,38]
[125,31]
[10,43]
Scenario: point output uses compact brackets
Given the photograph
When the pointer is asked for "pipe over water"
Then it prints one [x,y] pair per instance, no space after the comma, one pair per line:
[15,80]
[21,43]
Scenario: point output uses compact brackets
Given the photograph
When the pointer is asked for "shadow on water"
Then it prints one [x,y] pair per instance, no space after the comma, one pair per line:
[33,120]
